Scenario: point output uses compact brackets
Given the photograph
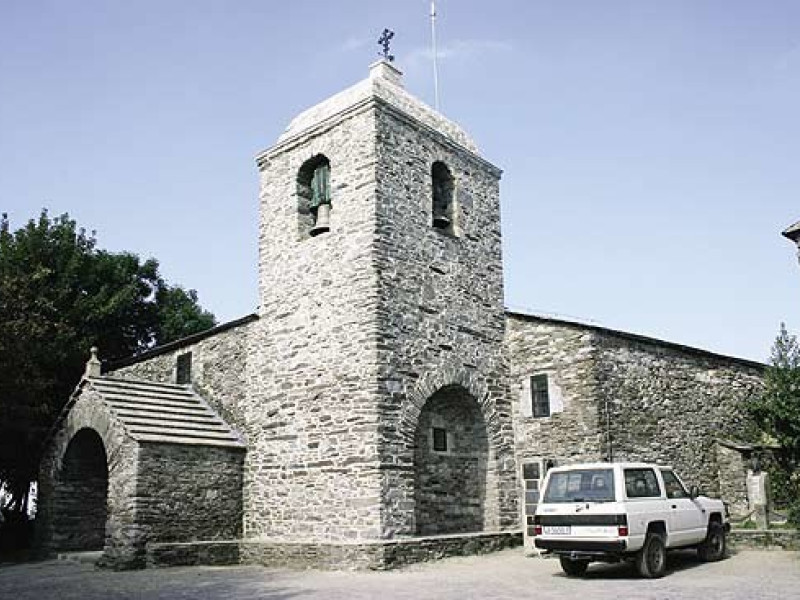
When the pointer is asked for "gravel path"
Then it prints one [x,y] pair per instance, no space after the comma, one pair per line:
[747,575]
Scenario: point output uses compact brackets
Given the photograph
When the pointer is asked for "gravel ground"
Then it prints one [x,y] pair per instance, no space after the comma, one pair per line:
[747,575]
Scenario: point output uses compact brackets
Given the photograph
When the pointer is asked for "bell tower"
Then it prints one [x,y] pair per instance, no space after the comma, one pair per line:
[379,406]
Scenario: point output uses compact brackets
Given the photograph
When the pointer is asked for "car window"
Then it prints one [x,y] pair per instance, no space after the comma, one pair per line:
[673,486]
[580,485]
[641,483]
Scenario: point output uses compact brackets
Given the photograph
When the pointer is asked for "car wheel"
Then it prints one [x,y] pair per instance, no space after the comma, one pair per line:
[713,547]
[574,568]
[651,561]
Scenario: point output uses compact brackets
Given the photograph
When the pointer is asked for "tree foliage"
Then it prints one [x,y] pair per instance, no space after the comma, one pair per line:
[777,412]
[59,295]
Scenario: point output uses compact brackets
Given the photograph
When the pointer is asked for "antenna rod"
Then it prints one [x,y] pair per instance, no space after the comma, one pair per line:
[435,65]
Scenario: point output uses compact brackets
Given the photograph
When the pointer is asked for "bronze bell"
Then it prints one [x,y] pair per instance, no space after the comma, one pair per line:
[441,221]
[323,220]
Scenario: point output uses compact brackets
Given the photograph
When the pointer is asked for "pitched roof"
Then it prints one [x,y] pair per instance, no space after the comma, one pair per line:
[384,85]
[634,337]
[163,412]
[792,232]
[113,365]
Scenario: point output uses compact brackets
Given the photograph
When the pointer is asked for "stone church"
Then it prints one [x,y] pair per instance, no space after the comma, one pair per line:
[382,406]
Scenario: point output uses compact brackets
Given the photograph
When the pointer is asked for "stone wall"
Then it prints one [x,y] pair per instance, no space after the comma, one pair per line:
[765,539]
[312,467]
[669,404]
[187,492]
[80,497]
[567,355]
[440,315]
[367,555]
[361,325]
[218,367]
[123,544]
[732,476]
[450,486]
[628,397]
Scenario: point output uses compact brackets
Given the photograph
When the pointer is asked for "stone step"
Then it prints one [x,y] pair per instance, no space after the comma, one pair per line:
[199,441]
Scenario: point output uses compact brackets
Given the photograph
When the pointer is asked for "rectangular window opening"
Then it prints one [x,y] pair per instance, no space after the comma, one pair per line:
[183,370]
[439,439]
[540,396]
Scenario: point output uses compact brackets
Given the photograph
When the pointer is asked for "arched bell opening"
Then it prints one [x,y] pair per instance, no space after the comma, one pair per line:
[451,460]
[314,196]
[80,496]
[442,192]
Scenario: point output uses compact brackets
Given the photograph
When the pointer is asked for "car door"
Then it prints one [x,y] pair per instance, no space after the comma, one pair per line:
[686,517]
[645,502]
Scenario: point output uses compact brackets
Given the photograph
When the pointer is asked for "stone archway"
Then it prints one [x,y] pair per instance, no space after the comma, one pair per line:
[451,464]
[80,494]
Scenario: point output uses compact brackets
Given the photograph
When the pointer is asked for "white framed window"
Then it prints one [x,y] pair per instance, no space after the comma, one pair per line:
[540,396]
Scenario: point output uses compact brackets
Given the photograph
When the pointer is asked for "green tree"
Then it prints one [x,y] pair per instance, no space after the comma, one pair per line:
[60,295]
[777,413]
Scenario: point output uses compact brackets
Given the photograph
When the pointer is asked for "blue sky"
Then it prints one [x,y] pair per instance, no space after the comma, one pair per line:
[651,150]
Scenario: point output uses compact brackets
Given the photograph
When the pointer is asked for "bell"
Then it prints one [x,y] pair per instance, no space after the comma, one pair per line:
[441,221]
[323,221]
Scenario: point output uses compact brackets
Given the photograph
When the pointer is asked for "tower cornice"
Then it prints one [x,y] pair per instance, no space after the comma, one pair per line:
[286,144]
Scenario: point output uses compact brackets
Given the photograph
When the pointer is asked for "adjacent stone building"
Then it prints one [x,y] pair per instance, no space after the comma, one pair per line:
[382,406]
[613,395]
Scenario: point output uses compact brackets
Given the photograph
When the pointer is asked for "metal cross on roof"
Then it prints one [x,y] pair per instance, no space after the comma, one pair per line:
[385,40]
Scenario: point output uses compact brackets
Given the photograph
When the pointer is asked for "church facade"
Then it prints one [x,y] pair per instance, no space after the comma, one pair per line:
[382,406]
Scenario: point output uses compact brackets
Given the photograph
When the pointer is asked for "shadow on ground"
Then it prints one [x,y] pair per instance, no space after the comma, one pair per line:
[677,561]
[73,581]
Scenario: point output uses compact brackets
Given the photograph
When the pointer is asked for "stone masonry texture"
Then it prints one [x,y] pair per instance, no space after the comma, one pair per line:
[670,406]
[368,338]
[218,369]
[631,398]
[101,489]
[360,326]
[188,493]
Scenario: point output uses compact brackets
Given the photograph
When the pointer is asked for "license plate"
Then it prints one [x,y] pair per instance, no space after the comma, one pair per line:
[556,530]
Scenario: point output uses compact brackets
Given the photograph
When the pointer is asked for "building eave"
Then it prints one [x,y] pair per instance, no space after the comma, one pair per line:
[178,344]
[635,337]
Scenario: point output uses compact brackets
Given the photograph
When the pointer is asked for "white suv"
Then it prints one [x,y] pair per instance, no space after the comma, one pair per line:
[616,511]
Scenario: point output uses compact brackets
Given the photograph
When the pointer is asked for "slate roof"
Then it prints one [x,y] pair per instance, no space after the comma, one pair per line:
[384,84]
[164,412]
[633,337]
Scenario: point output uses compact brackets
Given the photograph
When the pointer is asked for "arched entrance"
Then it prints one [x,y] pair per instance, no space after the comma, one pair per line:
[79,508]
[451,461]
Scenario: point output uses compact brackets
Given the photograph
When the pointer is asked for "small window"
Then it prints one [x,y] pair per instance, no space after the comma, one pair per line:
[439,439]
[442,186]
[531,470]
[540,396]
[673,485]
[183,369]
[641,483]
[531,474]
[314,196]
